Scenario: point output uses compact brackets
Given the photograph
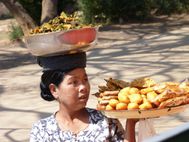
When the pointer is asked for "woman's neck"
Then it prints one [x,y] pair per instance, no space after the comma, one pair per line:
[70,115]
[74,121]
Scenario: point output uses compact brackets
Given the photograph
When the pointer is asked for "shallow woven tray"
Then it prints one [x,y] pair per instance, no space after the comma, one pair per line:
[144,113]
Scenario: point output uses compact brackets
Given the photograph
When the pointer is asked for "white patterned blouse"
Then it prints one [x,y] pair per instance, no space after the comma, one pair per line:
[100,129]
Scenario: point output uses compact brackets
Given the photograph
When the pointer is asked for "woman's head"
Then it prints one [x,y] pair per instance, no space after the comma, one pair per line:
[51,76]
[69,88]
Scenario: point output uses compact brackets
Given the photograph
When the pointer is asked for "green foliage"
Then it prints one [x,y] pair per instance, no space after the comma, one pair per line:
[107,11]
[94,10]
[16,32]
[114,10]
[172,6]
[131,9]
[126,10]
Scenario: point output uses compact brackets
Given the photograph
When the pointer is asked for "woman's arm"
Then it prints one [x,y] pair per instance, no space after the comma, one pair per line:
[130,130]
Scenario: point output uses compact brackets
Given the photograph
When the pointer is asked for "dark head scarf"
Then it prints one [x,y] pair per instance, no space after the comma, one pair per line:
[63,62]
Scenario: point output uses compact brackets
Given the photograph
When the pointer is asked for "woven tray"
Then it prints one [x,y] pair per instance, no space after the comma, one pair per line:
[144,113]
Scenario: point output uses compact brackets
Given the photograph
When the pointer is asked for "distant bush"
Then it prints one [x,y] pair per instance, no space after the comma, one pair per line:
[169,7]
[15,33]
[115,10]
[111,11]
[94,11]
[128,10]
[131,9]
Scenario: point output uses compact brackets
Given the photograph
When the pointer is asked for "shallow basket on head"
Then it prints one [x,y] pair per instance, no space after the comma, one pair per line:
[62,42]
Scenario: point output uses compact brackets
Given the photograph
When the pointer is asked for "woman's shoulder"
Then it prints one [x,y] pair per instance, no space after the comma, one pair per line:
[45,123]
[112,126]
[97,115]
[43,128]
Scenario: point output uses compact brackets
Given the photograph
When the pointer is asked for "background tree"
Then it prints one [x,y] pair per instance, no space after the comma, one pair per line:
[32,13]
[20,14]
[26,22]
[49,10]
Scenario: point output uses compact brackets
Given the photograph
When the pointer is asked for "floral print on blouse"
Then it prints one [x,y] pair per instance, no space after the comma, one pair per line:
[100,129]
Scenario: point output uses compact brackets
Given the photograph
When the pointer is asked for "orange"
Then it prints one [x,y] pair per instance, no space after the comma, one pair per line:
[109,107]
[121,106]
[135,98]
[125,91]
[145,105]
[123,98]
[132,106]
[113,102]
[133,90]
[148,105]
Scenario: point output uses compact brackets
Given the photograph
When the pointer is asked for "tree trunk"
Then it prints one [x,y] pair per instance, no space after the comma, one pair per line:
[49,10]
[22,17]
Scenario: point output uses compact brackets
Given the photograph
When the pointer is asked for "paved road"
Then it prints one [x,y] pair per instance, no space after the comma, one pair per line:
[159,50]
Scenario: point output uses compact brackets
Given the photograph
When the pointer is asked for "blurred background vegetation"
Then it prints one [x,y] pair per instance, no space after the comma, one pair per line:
[33,7]
[112,11]
[106,11]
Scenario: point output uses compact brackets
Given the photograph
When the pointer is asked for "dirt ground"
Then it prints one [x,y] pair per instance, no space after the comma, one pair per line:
[159,49]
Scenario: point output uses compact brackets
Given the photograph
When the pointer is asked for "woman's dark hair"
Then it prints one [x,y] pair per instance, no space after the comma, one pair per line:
[48,77]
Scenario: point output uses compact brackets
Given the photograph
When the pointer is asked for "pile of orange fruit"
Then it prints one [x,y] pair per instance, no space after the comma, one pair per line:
[144,94]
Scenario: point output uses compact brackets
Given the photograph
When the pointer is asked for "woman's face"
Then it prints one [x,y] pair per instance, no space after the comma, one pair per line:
[74,89]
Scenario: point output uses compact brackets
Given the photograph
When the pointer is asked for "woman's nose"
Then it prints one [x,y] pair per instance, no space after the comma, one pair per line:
[82,87]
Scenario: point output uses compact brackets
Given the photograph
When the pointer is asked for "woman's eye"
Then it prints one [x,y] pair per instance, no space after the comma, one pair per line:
[86,79]
[75,82]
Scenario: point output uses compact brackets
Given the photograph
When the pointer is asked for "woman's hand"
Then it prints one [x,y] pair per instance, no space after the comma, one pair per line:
[132,121]
[130,130]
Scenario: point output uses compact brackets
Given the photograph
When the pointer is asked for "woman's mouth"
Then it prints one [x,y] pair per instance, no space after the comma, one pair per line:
[83,98]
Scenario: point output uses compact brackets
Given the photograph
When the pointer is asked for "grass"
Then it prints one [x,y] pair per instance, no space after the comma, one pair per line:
[15,33]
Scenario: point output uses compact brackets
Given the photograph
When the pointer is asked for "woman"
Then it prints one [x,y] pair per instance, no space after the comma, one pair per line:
[69,86]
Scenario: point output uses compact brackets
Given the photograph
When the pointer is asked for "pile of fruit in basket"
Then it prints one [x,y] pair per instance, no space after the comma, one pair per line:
[142,93]
[59,23]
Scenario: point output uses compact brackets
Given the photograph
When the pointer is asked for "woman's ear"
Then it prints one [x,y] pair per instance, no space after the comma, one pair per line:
[54,90]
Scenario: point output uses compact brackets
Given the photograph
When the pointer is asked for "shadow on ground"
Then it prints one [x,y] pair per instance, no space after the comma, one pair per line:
[12,59]
[133,53]
[1,89]
[9,131]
